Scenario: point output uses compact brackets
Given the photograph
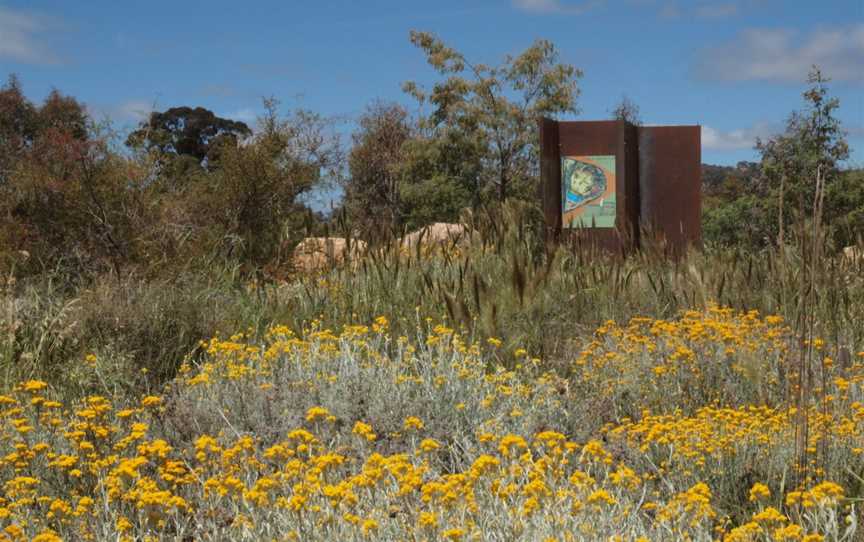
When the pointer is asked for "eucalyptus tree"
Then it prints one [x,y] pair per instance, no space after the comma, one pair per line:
[495,108]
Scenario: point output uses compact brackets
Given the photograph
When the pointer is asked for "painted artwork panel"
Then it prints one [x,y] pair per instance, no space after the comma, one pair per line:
[588,191]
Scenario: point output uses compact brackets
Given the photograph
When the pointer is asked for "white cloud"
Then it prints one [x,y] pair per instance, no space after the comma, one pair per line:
[733,140]
[19,40]
[782,55]
[666,9]
[699,9]
[556,6]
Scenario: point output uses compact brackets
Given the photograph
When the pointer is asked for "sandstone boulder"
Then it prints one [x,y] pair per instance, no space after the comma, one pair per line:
[439,233]
[853,253]
[320,253]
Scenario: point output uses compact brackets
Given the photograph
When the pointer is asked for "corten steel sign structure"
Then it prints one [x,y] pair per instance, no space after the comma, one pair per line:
[611,182]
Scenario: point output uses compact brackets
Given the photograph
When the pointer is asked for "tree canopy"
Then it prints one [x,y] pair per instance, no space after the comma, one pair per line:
[23,124]
[375,165]
[627,110]
[782,188]
[186,131]
[496,108]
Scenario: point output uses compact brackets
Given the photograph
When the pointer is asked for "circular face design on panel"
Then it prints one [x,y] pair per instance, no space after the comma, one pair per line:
[584,182]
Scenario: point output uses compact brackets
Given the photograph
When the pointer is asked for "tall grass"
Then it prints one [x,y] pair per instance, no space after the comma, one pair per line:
[139,329]
[502,281]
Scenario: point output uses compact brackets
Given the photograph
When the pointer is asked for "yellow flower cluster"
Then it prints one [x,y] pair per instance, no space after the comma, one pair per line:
[493,450]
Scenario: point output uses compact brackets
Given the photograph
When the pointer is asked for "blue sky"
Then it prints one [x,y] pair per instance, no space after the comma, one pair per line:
[737,67]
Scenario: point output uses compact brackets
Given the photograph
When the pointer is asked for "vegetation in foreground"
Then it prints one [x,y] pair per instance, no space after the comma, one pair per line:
[658,430]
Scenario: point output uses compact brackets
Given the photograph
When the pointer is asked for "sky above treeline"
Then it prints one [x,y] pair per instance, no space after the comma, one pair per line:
[736,67]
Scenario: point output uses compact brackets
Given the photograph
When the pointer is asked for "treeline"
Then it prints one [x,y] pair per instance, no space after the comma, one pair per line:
[799,177]
[737,212]
[188,188]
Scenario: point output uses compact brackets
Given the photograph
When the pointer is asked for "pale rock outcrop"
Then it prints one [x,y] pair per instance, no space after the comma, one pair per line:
[853,253]
[439,233]
[320,253]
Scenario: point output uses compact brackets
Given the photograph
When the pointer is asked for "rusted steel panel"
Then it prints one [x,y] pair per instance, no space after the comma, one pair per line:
[629,149]
[550,177]
[670,172]
[589,137]
[657,182]
[601,138]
